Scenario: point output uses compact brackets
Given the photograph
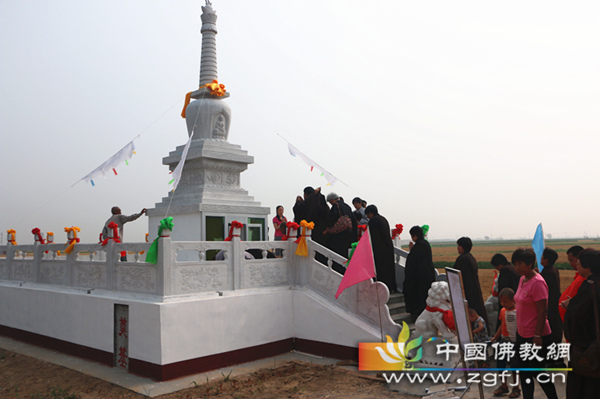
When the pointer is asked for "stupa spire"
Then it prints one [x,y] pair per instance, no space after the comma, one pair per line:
[208,58]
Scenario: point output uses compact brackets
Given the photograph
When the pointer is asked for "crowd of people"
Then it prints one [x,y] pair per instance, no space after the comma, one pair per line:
[336,227]
[533,311]
[534,314]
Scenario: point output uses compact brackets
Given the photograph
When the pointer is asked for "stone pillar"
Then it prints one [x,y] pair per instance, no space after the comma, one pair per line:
[164,264]
[237,256]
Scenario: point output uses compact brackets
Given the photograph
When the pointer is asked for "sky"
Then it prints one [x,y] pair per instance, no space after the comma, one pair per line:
[476,118]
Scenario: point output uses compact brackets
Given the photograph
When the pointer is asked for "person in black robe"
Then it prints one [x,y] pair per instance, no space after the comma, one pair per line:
[467,265]
[508,277]
[552,278]
[312,208]
[419,273]
[383,248]
[580,324]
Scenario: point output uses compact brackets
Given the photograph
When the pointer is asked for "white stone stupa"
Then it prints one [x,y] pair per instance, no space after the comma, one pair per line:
[209,196]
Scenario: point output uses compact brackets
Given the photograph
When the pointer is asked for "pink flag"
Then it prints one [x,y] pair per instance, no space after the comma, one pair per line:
[362,264]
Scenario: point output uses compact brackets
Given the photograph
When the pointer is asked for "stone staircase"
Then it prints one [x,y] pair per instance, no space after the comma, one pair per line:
[398,310]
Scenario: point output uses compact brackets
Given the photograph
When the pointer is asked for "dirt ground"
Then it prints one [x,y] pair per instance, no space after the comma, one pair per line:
[25,377]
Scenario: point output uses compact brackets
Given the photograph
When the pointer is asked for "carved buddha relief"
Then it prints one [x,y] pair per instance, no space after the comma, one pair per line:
[219,132]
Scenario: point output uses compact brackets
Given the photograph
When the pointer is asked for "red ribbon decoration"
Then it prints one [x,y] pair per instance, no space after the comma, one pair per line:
[115,237]
[447,316]
[234,224]
[37,232]
[361,229]
[397,231]
[115,228]
[494,293]
[290,225]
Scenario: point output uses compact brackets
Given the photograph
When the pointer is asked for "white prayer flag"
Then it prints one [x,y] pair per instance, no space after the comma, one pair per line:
[331,179]
[179,168]
[111,163]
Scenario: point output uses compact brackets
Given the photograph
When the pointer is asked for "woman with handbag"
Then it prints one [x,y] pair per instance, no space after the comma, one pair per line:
[341,229]
[582,330]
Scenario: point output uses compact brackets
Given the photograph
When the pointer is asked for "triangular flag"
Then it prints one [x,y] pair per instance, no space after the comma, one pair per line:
[362,264]
[538,245]
[179,168]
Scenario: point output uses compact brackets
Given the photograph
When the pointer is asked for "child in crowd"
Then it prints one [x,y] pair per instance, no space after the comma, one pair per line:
[478,327]
[507,332]
[479,330]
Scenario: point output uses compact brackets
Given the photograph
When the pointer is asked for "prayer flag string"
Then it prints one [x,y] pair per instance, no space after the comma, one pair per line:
[331,179]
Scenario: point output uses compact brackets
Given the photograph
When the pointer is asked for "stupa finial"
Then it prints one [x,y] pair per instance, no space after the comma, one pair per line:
[208,60]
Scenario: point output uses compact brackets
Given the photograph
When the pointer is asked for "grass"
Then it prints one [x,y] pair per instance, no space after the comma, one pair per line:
[226,377]
[55,393]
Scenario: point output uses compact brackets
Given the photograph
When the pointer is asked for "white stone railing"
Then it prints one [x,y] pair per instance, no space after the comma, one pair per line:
[368,300]
[88,266]
[93,266]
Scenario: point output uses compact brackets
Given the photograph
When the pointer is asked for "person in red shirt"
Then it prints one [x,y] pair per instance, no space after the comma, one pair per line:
[572,289]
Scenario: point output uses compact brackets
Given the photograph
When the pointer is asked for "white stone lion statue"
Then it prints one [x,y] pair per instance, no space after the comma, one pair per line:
[430,323]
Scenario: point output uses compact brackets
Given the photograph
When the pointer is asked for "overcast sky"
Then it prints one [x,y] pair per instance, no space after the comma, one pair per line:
[477,118]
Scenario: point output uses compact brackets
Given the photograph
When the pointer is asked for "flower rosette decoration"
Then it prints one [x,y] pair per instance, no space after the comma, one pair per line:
[234,225]
[352,249]
[425,228]
[146,238]
[50,240]
[165,224]
[397,230]
[37,236]
[302,249]
[71,238]
[216,89]
[11,237]
[292,227]
[361,228]
[115,236]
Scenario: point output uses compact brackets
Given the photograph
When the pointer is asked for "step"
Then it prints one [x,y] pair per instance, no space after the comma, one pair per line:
[396,297]
[403,317]
[396,308]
